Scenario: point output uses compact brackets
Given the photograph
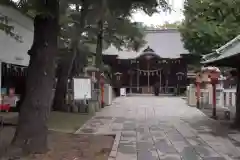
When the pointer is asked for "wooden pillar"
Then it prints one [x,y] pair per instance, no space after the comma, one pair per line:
[237,114]
[160,81]
[166,85]
[137,76]
[1,75]
[130,81]
[148,76]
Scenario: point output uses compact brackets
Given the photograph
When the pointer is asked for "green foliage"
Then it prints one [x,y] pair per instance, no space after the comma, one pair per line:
[118,29]
[209,24]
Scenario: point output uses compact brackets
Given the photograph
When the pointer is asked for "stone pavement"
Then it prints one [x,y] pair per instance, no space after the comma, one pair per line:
[163,128]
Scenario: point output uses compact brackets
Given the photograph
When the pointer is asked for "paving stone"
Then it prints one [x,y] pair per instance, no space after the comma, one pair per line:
[205,151]
[180,146]
[190,154]
[128,134]
[144,137]
[127,148]
[145,146]
[128,142]
[214,158]
[148,155]
[164,146]
[175,137]
[159,134]
[163,127]
[195,141]
[129,126]
[121,156]
[184,129]
[170,157]
[128,138]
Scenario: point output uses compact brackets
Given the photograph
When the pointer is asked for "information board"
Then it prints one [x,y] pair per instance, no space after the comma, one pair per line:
[82,88]
[123,91]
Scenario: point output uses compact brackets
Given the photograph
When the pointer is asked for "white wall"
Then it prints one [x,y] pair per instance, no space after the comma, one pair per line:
[12,51]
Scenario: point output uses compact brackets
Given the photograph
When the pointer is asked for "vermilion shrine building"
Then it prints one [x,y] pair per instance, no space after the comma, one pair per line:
[159,61]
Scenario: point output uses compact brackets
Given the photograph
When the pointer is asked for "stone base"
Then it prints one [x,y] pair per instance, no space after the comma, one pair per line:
[91,108]
[97,106]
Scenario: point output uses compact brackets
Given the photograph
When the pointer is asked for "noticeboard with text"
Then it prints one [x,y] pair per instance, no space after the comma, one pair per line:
[82,88]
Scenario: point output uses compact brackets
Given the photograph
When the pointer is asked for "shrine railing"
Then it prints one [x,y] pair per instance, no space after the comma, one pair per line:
[225,98]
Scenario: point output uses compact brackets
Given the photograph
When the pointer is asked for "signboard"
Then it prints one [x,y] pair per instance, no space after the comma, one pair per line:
[123,91]
[82,88]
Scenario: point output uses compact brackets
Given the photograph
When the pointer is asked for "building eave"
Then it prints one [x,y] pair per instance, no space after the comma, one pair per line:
[222,53]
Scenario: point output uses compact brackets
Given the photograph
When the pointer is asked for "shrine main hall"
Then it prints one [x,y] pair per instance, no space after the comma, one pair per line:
[159,61]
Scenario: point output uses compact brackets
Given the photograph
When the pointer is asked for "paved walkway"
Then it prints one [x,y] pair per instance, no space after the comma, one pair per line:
[163,128]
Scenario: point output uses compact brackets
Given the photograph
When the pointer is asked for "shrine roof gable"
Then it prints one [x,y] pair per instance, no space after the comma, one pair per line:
[165,43]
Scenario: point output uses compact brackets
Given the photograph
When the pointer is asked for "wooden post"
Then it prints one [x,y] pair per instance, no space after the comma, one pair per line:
[138,77]
[148,77]
[198,94]
[166,86]
[1,75]
[214,115]
[102,90]
[198,82]
[130,81]
[237,114]
[160,81]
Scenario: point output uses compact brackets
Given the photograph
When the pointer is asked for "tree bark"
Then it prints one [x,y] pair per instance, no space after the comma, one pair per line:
[31,132]
[237,114]
[99,51]
[66,65]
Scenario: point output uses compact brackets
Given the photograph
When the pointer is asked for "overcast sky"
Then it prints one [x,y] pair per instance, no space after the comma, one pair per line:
[161,18]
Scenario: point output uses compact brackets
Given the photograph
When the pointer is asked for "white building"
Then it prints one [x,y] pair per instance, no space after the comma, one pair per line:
[13,54]
[12,51]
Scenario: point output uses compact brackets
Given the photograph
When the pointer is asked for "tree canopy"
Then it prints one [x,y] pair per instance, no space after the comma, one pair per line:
[209,24]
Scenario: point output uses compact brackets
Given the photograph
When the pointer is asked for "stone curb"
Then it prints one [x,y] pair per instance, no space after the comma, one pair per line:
[83,126]
[113,153]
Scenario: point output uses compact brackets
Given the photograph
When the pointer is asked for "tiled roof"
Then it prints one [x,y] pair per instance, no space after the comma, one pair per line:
[230,49]
[165,43]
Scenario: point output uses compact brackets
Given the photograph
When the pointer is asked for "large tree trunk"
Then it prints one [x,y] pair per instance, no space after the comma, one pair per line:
[66,64]
[65,68]
[99,49]
[31,133]
[237,114]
